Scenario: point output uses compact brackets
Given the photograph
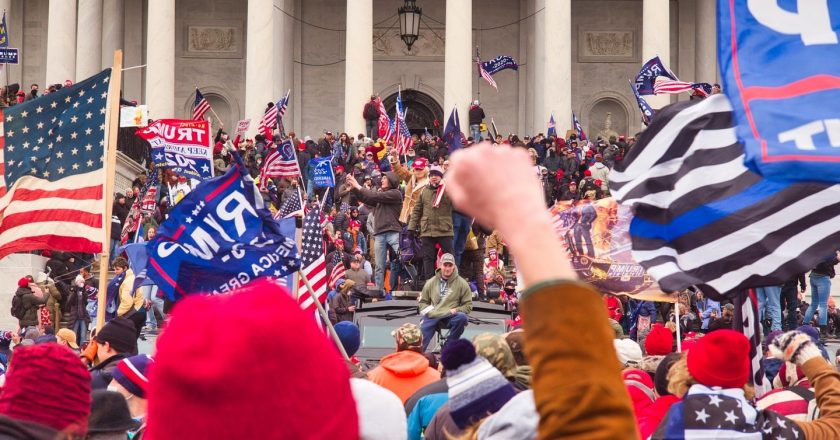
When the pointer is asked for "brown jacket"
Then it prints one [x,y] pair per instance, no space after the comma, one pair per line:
[413,187]
[826,382]
[576,377]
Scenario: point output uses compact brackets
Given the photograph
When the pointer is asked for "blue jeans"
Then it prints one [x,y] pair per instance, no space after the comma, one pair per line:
[114,245]
[461,228]
[475,132]
[455,323]
[769,298]
[150,293]
[371,127]
[820,290]
[381,243]
[80,327]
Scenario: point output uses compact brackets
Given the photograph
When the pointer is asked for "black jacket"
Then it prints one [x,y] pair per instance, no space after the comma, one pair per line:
[30,304]
[476,115]
[100,375]
[386,205]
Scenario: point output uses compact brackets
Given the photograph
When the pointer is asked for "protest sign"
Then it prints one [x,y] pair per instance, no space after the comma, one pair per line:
[323,172]
[182,146]
[242,127]
[218,238]
[596,236]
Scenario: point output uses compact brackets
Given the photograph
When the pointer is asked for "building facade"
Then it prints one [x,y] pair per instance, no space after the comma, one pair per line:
[574,55]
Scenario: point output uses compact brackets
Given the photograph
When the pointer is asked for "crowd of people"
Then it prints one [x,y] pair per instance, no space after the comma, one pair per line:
[415,221]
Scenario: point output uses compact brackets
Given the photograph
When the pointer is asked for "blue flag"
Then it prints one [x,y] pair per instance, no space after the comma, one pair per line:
[647,111]
[578,127]
[499,63]
[452,133]
[552,127]
[322,171]
[4,32]
[781,72]
[218,238]
[647,76]
[138,258]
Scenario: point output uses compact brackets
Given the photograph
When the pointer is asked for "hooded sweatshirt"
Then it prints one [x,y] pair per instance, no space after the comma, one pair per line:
[456,295]
[403,372]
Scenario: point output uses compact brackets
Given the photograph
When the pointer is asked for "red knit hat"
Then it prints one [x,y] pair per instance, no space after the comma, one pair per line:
[721,358]
[23,282]
[46,384]
[659,341]
[587,173]
[270,373]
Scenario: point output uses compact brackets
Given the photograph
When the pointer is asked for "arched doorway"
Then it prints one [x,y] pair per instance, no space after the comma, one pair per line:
[608,117]
[421,111]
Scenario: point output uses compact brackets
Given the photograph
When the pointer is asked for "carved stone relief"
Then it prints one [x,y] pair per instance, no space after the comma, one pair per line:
[213,39]
[387,44]
[607,45]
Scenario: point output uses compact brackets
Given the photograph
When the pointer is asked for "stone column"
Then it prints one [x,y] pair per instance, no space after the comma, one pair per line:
[557,67]
[539,123]
[160,59]
[61,42]
[656,40]
[358,64]
[113,31]
[89,40]
[705,52]
[458,62]
[259,72]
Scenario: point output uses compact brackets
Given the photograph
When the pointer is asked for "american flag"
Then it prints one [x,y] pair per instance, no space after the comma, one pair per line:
[313,262]
[200,106]
[665,86]
[272,116]
[51,170]
[292,206]
[281,107]
[338,270]
[487,77]
[281,162]
[403,139]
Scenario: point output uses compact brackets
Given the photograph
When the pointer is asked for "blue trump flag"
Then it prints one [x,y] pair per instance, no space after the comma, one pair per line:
[452,133]
[651,70]
[780,66]
[644,107]
[323,171]
[218,238]
[578,127]
[499,63]
[552,127]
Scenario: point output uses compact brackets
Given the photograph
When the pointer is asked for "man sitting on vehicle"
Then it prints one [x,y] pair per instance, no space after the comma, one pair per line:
[446,298]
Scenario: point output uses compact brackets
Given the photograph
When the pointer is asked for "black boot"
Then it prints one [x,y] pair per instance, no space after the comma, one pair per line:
[823,333]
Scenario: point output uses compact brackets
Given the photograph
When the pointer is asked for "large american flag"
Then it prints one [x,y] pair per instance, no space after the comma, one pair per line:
[402,141]
[338,270]
[281,162]
[200,106]
[313,262]
[385,125]
[487,77]
[51,170]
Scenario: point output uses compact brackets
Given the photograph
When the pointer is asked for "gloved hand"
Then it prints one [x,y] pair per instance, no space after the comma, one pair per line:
[794,346]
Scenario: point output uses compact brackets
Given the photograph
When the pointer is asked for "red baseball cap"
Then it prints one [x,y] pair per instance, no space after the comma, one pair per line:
[420,163]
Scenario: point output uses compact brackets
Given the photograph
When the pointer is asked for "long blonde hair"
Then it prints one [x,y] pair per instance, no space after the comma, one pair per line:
[680,380]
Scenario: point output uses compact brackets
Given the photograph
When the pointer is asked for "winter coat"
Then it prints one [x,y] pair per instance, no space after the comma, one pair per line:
[476,115]
[118,216]
[650,417]
[432,221]
[601,172]
[338,308]
[457,295]
[53,303]
[25,430]
[403,372]
[30,304]
[387,205]
[413,188]
[100,375]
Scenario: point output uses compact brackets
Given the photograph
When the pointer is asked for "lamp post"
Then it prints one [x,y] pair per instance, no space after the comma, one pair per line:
[409,22]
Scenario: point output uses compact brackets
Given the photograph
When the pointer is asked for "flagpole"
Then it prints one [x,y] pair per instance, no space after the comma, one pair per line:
[112,123]
[478,70]
[324,316]
[221,124]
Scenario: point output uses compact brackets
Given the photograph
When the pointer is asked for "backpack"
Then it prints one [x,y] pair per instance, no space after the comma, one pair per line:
[409,249]
[17,307]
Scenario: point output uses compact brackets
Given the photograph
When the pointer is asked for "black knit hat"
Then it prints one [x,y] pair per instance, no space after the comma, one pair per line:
[120,333]
[660,379]
[109,413]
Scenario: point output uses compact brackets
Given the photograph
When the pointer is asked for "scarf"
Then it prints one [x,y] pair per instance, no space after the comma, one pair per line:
[439,193]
